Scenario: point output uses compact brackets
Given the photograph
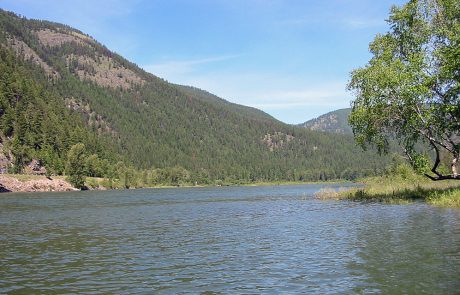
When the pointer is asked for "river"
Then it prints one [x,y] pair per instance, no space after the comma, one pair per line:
[227,240]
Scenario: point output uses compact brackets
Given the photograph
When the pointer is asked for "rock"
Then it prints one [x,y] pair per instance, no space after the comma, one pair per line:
[40,184]
[35,168]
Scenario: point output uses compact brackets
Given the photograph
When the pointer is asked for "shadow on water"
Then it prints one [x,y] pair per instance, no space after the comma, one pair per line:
[415,252]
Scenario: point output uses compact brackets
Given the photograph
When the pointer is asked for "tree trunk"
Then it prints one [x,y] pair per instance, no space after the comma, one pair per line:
[437,161]
[453,166]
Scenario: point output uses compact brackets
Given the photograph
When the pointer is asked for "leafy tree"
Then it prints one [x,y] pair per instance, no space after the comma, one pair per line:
[75,166]
[410,88]
[93,166]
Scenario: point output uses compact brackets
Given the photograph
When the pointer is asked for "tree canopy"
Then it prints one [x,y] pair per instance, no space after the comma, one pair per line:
[410,88]
[75,168]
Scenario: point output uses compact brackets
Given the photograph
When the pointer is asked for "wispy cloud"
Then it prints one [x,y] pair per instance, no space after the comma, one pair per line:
[330,94]
[301,105]
[350,23]
[175,69]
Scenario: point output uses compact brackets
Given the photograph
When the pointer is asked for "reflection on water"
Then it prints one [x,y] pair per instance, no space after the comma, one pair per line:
[241,240]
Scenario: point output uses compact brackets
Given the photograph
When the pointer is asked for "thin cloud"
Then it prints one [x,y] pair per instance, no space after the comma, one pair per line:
[350,23]
[272,91]
[299,106]
[174,68]
[330,94]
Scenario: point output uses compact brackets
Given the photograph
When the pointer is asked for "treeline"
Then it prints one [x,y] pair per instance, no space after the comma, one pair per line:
[82,167]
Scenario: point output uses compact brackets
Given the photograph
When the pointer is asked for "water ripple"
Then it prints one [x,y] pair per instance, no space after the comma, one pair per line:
[243,240]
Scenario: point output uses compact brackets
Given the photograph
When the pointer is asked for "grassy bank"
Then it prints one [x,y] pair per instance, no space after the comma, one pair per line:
[397,189]
[270,183]
[105,183]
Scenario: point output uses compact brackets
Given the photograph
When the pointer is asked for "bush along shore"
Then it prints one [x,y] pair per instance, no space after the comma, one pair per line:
[400,186]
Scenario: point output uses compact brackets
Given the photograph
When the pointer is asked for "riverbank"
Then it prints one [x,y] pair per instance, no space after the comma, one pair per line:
[401,190]
[95,183]
[33,183]
[39,183]
[385,189]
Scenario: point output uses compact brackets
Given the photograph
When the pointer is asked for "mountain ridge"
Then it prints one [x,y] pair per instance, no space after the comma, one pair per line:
[148,123]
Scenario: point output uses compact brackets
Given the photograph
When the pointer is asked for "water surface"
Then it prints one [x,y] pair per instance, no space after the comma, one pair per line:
[237,240]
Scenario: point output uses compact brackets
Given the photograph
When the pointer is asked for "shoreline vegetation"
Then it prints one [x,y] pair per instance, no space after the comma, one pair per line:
[41,183]
[403,188]
[399,186]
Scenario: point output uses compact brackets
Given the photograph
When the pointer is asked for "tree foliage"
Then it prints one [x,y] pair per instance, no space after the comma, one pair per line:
[75,165]
[410,88]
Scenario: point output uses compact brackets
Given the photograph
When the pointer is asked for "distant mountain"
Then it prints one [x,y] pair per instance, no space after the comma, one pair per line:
[60,87]
[333,122]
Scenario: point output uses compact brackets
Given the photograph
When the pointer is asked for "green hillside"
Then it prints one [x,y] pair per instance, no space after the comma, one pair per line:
[35,124]
[333,122]
[128,117]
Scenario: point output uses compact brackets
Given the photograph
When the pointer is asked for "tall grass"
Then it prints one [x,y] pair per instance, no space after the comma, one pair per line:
[400,188]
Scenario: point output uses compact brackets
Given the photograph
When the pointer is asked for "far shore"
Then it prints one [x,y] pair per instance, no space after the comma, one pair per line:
[41,183]
[384,189]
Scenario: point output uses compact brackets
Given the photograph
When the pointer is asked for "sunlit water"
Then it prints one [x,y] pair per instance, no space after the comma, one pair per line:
[232,240]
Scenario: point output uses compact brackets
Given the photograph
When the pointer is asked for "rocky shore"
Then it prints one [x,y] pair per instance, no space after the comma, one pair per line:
[11,183]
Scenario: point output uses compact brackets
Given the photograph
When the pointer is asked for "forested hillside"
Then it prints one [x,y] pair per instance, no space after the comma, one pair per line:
[60,87]
[334,122]
[35,124]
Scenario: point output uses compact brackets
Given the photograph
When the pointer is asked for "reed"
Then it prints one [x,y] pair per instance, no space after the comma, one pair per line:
[397,189]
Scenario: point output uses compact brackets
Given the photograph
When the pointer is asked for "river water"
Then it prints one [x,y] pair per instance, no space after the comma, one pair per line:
[229,240]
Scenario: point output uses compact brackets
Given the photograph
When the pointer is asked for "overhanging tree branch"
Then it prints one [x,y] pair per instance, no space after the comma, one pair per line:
[409,87]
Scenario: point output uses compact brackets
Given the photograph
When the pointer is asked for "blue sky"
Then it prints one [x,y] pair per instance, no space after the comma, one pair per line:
[290,58]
